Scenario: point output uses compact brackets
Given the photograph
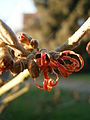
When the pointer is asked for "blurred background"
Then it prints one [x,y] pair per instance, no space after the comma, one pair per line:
[52,22]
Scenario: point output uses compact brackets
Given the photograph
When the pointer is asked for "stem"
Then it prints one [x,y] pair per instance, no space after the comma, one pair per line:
[11,97]
[74,40]
[15,81]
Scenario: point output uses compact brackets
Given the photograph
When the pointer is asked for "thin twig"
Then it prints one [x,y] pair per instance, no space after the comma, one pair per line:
[15,81]
[11,97]
[74,40]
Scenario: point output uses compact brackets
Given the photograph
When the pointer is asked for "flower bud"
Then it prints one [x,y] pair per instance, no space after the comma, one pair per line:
[34,43]
[33,69]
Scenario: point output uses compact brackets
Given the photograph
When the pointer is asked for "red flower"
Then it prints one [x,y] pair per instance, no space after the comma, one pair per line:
[88,48]
[65,63]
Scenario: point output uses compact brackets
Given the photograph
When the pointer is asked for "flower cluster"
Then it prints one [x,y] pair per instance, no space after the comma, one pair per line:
[39,61]
[66,62]
[17,54]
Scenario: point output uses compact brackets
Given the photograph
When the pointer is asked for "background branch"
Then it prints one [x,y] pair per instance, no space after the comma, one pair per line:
[13,96]
[15,81]
[74,40]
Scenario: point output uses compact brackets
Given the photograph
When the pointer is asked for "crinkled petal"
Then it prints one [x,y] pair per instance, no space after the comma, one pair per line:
[88,48]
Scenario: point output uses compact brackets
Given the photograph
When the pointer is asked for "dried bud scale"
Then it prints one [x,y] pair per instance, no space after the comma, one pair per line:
[34,43]
[33,68]
[6,59]
[9,37]
[24,38]
[28,43]
[2,43]
[18,66]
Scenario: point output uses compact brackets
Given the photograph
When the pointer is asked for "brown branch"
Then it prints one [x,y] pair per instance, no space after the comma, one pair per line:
[10,38]
[2,106]
[70,44]
[74,40]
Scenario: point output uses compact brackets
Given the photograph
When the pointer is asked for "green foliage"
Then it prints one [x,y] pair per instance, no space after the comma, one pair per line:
[42,105]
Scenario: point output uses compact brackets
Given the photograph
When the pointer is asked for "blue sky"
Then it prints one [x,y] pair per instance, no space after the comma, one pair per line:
[11,11]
